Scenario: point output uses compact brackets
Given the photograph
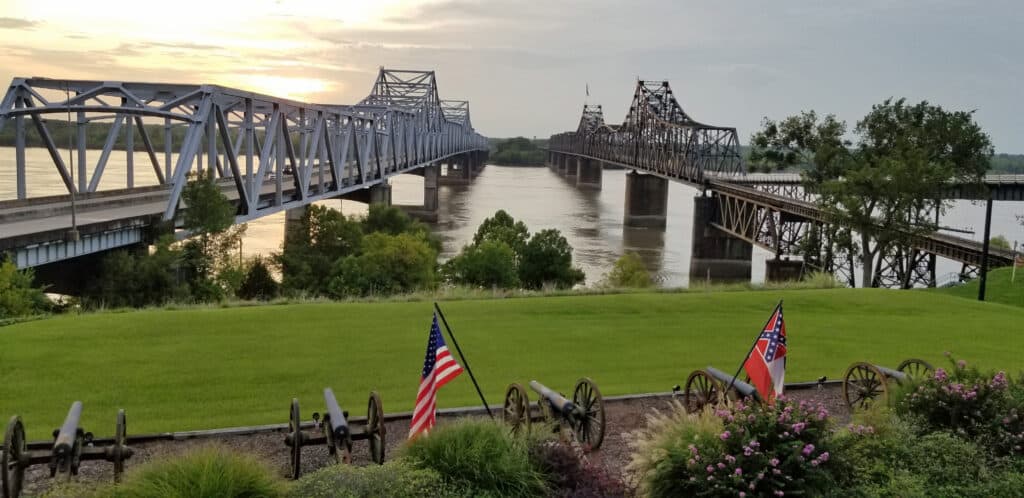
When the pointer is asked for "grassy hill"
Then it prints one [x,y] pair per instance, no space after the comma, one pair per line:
[217,367]
[998,288]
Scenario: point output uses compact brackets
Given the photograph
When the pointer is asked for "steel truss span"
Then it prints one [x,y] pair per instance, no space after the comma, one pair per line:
[277,153]
[657,137]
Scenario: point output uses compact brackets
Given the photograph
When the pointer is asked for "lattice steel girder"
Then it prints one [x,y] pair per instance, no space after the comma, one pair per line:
[657,136]
[256,140]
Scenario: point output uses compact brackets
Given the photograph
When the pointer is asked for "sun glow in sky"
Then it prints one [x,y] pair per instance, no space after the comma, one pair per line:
[525,65]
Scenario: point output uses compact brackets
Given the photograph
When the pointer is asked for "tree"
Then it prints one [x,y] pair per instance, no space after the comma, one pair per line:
[547,259]
[133,279]
[392,220]
[629,272]
[491,263]
[502,227]
[314,245]
[208,257]
[884,187]
[1000,242]
[18,296]
[388,264]
[258,283]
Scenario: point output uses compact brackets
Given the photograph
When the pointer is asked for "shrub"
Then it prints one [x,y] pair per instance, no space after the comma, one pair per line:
[569,474]
[490,263]
[743,449]
[18,297]
[478,458]
[258,284]
[210,472]
[977,406]
[396,478]
[629,272]
[547,259]
[389,264]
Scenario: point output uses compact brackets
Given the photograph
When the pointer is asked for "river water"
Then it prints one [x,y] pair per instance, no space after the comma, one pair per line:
[590,220]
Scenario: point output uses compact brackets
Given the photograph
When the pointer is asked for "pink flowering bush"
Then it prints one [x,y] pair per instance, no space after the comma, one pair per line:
[981,407]
[747,449]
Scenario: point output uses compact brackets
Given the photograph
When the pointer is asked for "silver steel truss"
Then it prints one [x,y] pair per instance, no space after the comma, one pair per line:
[277,152]
[657,136]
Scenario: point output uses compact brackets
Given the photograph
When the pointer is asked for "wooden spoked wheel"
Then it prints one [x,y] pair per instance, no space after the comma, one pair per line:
[375,430]
[701,390]
[863,384]
[915,368]
[295,430]
[589,425]
[517,409]
[120,444]
[12,473]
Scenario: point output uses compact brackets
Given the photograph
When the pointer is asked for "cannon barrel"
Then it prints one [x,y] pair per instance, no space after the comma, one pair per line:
[339,426]
[896,374]
[557,400]
[68,432]
[741,387]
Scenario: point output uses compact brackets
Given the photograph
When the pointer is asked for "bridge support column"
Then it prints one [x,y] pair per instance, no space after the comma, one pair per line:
[646,200]
[381,194]
[716,256]
[293,220]
[563,164]
[588,174]
[575,162]
[459,170]
[782,270]
[428,211]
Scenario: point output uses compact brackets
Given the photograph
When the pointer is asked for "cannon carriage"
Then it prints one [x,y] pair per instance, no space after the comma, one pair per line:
[864,382]
[708,386]
[71,446]
[334,431]
[583,417]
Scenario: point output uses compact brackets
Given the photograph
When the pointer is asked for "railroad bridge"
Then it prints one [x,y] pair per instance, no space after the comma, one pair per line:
[269,154]
[659,142]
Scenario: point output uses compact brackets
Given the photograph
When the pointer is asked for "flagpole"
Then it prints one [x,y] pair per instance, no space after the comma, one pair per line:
[464,362]
[740,369]
[1013,273]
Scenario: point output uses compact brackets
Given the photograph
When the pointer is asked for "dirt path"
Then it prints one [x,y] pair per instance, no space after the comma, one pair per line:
[623,416]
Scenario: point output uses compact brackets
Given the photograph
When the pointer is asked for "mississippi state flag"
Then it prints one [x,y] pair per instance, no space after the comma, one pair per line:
[766,364]
[438,369]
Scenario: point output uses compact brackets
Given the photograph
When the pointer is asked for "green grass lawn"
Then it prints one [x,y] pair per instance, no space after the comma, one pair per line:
[998,289]
[207,368]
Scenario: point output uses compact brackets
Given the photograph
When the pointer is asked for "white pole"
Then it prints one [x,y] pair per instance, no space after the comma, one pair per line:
[1013,273]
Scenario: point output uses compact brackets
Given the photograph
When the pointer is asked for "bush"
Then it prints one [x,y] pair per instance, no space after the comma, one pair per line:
[744,449]
[490,263]
[569,474]
[389,264]
[977,406]
[258,283]
[18,296]
[889,457]
[134,279]
[547,259]
[210,472]
[629,272]
[396,478]
[478,458]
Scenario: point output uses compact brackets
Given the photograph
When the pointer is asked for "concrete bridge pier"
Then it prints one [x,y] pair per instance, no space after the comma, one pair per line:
[563,164]
[572,169]
[782,270]
[428,211]
[646,201]
[459,170]
[588,174]
[716,256]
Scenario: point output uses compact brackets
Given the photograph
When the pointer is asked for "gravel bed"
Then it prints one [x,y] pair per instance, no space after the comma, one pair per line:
[622,418]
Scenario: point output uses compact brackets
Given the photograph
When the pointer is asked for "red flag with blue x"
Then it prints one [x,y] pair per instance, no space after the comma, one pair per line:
[766,364]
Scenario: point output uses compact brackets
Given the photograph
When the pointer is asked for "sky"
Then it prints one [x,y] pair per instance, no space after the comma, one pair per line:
[525,65]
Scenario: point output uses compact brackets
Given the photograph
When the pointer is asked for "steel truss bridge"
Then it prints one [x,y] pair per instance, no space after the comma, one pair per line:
[268,153]
[771,211]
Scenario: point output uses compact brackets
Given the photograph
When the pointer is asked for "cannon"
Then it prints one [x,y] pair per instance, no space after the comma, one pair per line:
[864,382]
[71,446]
[583,416]
[334,431]
[708,386]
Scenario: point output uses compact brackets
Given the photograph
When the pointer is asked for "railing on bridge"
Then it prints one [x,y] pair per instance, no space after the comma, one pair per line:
[656,137]
[257,141]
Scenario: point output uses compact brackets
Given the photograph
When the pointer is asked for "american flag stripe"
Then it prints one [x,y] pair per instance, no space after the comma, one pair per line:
[439,368]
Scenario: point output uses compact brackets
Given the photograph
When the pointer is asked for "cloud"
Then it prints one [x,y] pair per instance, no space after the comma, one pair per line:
[17,23]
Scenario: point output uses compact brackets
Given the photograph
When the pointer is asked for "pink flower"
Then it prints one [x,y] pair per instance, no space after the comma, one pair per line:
[731,459]
[808,450]
[940,375]
[799,427]
[739,471]
[823,457]
[710,469]
[774,462]
[743,495]
[721,465]
[961,364]
[999,381]
[725,435]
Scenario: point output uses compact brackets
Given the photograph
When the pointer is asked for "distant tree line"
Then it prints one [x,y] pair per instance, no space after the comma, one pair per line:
[517,151]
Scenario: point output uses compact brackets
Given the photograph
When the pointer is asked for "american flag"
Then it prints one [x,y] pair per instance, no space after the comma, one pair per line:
[766,364]
[439,368]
